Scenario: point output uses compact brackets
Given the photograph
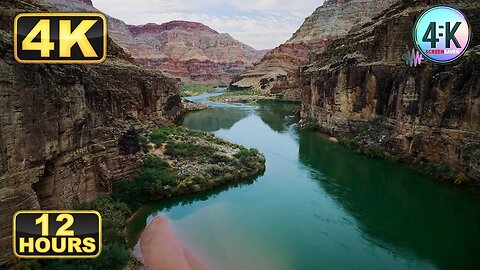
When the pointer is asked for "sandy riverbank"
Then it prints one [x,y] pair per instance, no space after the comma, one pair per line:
[162,250]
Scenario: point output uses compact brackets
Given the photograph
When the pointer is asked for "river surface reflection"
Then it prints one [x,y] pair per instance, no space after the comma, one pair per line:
[318,205]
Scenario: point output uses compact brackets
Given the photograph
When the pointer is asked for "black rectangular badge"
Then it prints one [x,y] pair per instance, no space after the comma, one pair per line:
[57,234]
[60,38]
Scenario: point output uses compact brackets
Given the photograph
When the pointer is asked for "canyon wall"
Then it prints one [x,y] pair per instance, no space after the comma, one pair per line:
[190,51]
[67,131]
[278,71]
[360,87]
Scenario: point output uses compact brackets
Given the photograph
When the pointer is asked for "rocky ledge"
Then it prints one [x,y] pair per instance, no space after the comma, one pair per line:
[360,88]
[278,71]
[192,106]
[202,161]
[246,96]
[181,161]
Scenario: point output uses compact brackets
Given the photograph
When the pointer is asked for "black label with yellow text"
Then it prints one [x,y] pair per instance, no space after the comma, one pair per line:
[57,234]
[61,38]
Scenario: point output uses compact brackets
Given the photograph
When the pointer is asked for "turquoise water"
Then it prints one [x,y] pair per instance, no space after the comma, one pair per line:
[318,205]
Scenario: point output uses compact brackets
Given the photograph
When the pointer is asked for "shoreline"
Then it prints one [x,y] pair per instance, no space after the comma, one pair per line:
[249,98]
[159,248]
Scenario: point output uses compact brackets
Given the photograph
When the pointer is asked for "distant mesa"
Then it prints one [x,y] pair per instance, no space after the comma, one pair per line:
[154,28]
[187,50]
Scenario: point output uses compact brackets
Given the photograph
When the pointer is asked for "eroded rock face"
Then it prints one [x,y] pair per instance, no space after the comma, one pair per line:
[191,51]
[64,129]
[88,2]
[280,67]
[431,112]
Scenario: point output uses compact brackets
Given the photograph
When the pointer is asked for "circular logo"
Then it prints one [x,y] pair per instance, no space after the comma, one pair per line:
[442,34]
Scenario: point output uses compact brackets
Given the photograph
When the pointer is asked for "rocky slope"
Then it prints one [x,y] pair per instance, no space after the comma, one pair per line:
[186,50]
[67,131]
[191,51]
[359,87]
[278,70]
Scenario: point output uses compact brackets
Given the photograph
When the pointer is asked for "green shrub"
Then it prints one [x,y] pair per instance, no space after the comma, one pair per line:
[199,179]
[245,154]
[127,192]
[221,159]
[160,135]
[182,149]
[372,151]
[147,186]
[143,141]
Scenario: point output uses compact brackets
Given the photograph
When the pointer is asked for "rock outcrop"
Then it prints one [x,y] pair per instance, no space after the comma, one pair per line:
[190,51]
[67,131]
[429,112]
[278,71]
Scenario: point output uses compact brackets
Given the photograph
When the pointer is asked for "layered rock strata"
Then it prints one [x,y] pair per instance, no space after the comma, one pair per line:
[430,112]
[66,130]
[190,51]
[278,71]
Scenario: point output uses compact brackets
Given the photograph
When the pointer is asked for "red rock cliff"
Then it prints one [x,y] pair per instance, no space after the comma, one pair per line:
[191,51]
[188,50]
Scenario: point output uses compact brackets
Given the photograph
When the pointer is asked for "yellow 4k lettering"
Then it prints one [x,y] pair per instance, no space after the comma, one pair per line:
[44,46]
[69,38]
[60,38]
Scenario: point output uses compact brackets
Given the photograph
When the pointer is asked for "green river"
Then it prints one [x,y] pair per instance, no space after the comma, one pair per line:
[318,205]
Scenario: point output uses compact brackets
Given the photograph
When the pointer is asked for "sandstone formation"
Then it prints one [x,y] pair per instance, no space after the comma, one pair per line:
[430,112]
[67,131]
[278,71]
[190,51]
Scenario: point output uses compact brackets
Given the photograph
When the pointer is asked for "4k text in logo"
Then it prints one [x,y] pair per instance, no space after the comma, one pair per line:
[63,38]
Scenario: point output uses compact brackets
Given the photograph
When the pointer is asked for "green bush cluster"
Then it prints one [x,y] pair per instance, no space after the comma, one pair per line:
[147,186]
[182,149]
[372,151]
[350,143]
[247,154]
[160,135]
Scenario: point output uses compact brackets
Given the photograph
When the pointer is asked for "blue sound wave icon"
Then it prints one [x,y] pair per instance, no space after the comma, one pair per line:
[413,58]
